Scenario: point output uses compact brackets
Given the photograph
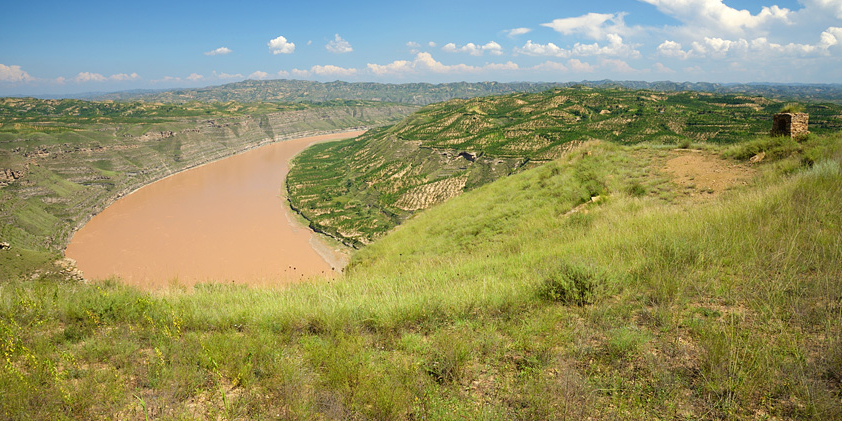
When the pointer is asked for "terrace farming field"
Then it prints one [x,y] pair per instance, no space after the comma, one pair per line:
[356,190]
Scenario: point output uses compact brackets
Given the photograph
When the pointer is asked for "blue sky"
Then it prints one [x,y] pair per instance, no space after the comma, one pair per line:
[62,47]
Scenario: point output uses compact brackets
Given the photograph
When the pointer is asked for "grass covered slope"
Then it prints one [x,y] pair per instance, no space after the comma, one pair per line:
[500,304]
[356,190]
[61,161]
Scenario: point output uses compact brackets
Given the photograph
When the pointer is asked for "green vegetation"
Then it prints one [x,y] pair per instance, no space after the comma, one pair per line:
[525,298]
[792,108]
[61,161]
[426,93]
[358,189]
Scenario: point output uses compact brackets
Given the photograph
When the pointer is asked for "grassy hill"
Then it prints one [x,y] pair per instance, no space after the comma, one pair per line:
[356,190]
[426,93]
[61,161]
[602,285]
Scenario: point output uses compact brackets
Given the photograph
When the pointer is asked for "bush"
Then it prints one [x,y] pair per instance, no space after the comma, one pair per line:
[570,284]
[792,108]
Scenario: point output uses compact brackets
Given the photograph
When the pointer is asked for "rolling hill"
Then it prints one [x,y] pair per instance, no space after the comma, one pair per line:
[356,190]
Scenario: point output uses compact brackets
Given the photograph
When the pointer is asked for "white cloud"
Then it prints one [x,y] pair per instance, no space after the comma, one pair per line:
[339,46]
[511,33]
[283,73]
[90,77]
[195,77]
[258,75]
[549,66]
[219,51]
[167,79]
[834,7]
[412,44]
[580,66]
[300,73]
[223,75]
[424,62]
[123,76]
[13,73]
[615,47]
[672,49]
[432,44]
[617,65]
[714,17]
[492,47]
[592,25]
[660,68]
[393,68]
[60,80]
[507,66]
[548,49]
[280,45]
[331,70]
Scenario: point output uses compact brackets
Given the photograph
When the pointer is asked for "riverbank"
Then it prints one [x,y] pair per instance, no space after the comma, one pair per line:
[224,221]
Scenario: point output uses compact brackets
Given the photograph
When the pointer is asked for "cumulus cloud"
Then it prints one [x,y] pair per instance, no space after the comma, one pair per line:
[123,76]
[617,65]
[300,73]
[548,49]
[195,77]
[339,45]
[507,66]
[412,44]
[259,75]
[491,47]
[580,66]
[661,68]
[14,73]
[393,68]
[167,79]
[595,26]
[280,45]
[432,44]
[223,75]
[614,47]
[672,49]
[221,51]
[511,33]
[714,16]
[90,77]
[549,66]
[331,70]
[424,62]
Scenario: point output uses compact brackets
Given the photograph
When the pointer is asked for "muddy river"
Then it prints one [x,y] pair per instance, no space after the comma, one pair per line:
[225,221]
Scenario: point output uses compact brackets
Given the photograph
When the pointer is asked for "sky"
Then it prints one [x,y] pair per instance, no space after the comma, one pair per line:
[61,47]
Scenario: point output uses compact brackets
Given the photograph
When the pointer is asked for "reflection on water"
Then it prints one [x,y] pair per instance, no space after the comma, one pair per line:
[222,222]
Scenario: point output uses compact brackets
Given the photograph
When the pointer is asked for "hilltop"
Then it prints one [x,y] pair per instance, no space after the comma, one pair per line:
[427,93]
[601,285]
[358,189]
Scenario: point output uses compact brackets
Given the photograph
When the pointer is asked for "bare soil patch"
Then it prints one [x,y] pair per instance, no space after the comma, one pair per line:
[704,175]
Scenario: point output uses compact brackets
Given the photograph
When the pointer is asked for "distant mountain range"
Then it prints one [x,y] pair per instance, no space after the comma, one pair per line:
[425,93]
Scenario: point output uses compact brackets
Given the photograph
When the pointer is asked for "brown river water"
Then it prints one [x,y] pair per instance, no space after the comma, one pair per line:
[226,221]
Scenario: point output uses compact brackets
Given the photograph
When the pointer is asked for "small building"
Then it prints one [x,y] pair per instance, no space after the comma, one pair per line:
[790,124]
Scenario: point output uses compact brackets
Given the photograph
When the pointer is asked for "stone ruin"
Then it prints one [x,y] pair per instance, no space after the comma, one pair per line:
[790,124]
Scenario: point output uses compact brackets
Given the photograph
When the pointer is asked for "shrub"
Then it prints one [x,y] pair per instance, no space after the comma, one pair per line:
[792,108]
[570,284]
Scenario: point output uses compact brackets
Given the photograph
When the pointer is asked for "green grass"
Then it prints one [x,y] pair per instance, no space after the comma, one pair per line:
[358,189]
[474,309]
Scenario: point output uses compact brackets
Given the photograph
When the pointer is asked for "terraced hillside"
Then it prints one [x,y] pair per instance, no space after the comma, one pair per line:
[358,189]
[426,93]
[62,161]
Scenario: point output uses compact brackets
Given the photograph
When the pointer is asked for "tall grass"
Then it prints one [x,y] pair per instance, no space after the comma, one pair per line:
[499,304]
